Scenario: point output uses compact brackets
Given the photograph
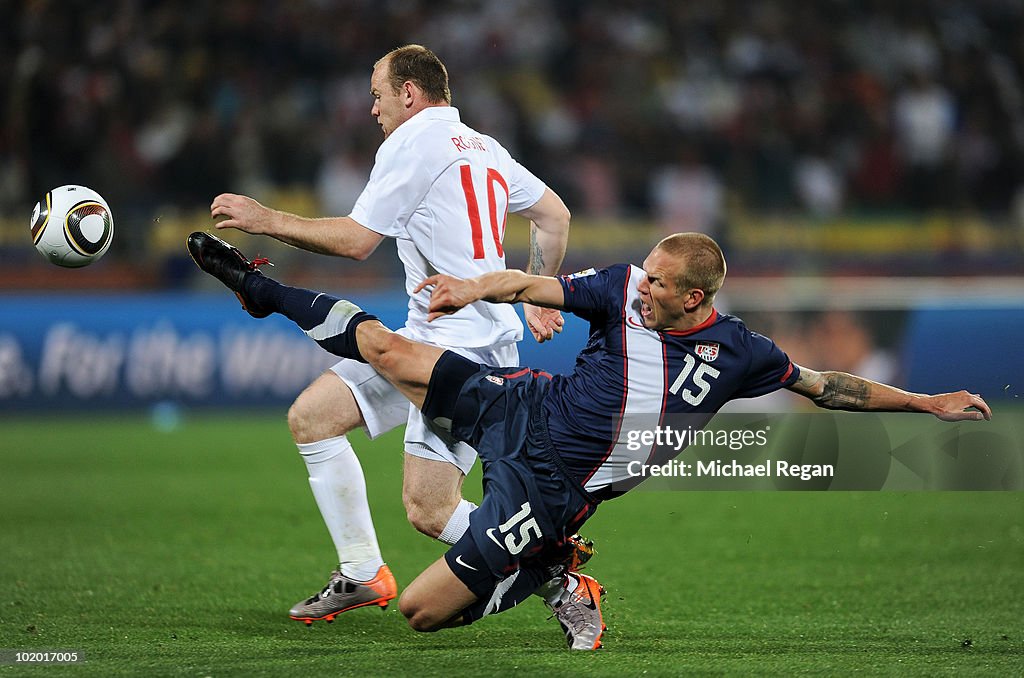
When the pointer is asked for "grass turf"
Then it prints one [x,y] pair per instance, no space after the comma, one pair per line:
[178,553]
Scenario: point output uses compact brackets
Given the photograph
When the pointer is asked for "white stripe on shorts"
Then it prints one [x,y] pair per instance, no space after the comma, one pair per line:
[499,592]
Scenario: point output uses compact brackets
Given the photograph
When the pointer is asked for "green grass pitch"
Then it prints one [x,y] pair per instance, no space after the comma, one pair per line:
[179,553]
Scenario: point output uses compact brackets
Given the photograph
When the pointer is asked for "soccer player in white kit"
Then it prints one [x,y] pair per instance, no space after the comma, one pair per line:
[443,191]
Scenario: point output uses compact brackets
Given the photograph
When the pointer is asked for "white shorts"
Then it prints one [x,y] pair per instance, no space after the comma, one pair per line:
[383,407]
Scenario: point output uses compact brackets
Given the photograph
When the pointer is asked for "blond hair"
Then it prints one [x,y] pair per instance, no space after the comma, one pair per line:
[701,263]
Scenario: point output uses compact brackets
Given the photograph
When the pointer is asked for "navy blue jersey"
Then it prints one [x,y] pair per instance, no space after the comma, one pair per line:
[627,370]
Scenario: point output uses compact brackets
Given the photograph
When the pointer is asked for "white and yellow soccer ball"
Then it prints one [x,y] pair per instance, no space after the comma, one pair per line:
[72,226]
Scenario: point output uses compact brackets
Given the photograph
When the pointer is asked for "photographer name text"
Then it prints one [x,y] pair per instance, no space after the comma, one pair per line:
[730,469]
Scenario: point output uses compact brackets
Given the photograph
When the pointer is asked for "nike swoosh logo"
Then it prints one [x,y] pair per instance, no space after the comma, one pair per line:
[494,539]
[578,595]
[634,323]
[458,559]
[315,298]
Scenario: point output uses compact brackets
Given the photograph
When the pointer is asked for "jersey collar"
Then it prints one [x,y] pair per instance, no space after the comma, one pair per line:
[428,114]
[696,328]
[449,113]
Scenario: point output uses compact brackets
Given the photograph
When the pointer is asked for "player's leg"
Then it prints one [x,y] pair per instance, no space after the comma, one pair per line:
[325,408]
[333,466]
[459,589]
[342,328]
[480,574]
[331,322]
[435,467]
[320,419]
[334,324]
[432,495]
[435,599]
[439,599]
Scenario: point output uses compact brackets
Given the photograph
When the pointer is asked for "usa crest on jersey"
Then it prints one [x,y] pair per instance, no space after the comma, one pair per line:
[707,351]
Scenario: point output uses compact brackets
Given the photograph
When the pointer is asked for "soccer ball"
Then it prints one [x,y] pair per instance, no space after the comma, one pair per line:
[72,226]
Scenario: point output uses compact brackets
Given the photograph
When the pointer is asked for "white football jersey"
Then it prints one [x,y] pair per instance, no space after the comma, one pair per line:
[444,190]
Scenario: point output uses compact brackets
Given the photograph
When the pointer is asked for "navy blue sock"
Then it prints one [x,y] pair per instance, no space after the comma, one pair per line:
[329,321]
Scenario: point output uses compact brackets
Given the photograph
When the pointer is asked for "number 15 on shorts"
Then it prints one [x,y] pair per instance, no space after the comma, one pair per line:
[517,531]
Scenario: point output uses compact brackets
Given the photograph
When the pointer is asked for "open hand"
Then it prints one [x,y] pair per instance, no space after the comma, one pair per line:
[241,212]
[954,407]
[543,322]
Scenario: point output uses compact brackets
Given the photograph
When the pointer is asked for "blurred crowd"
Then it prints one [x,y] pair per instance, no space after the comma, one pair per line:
[667,110]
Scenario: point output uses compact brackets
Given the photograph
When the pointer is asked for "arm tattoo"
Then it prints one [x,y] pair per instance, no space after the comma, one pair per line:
[536,264]
[843,392]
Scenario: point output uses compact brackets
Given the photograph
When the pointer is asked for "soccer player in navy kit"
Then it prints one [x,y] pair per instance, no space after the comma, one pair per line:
[550,445]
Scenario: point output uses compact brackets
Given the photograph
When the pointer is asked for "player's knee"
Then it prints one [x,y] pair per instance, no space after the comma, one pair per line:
[388,353]
[301,421]
[417,613]
[431,492]
[425,517]
[296,420]
[309,422]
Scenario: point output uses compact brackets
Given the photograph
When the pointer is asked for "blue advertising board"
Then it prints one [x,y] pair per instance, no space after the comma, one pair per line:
[124,351]
[978,349]
[201,350]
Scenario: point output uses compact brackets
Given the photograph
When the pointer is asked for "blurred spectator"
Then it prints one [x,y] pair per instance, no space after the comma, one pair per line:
[845,339]
[851,347]
[797,107]
[877,173]
[687,196]
[341,179]
[925,114]
[819,184]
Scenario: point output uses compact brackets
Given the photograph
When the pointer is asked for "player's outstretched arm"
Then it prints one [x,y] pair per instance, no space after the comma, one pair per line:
[842,391]
[450,294]
[338,236]
[549,236]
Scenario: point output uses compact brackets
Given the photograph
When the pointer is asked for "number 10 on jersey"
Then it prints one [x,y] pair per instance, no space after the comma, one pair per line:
[493,178]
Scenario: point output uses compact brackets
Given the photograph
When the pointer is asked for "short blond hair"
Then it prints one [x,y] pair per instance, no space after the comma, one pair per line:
[701,262]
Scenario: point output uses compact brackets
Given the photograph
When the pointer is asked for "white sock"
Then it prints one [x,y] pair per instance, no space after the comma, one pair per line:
[339,488]
[557,588]
[551,591]
[457,524]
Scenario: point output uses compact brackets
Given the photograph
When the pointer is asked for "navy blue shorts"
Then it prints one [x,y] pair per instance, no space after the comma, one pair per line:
[530,505]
